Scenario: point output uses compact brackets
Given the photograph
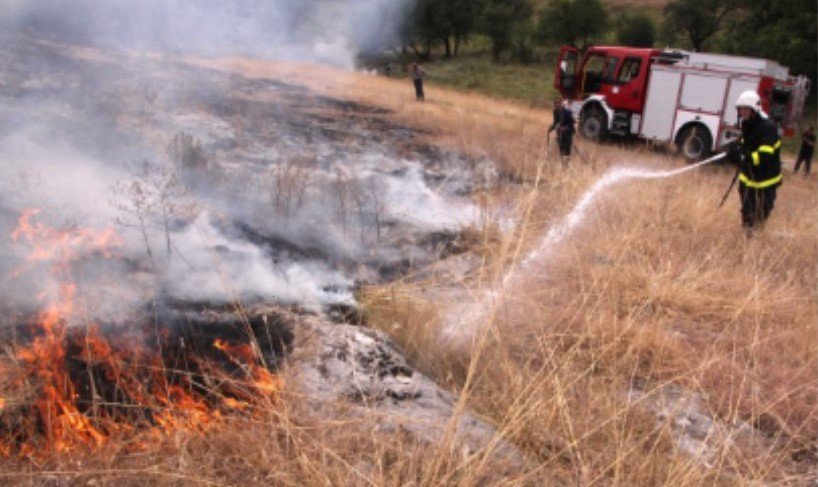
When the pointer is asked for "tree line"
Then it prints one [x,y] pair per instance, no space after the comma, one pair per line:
[783,30]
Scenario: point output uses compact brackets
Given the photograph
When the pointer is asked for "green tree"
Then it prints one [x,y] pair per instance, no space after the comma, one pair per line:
[463,18]
[427,25]
[501,20]
[446,22]
[524,40]
[783,30]
[635,30]
[698,20]
[574,22]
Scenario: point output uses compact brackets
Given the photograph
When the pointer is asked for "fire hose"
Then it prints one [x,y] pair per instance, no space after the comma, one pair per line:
[729,188]
[581,156]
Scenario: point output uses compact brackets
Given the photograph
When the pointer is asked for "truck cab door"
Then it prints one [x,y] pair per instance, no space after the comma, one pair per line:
[596,73]
[628,89]
[565,77]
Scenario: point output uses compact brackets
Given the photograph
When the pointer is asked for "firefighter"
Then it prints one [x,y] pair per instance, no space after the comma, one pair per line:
[555,121]
[805,151]
[757,155]
[565,132]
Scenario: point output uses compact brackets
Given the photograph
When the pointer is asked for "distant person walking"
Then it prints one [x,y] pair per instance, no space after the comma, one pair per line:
[417,73]
[565,132]
[806,150]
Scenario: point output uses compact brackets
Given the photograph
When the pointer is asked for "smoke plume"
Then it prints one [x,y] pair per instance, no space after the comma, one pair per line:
[221,187]
[329,31]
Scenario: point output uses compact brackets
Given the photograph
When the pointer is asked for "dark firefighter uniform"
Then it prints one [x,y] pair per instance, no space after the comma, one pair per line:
[565,130]
[759,165]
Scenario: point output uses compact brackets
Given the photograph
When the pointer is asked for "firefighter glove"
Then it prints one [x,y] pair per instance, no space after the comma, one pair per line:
[735,153]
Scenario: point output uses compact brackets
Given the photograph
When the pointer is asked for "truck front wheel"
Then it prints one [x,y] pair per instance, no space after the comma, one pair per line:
[694,142]
[593,124]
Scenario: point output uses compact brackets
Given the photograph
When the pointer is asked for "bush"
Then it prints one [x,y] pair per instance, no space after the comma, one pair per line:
[635,30]
[573,22]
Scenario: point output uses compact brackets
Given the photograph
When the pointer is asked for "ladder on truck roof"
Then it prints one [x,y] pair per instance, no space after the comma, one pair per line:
[723,62]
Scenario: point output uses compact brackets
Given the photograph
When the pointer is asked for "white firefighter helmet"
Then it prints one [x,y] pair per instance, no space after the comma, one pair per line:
[750,99]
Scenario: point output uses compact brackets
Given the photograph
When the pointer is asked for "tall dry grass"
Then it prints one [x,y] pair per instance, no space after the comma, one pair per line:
[658,290]
[658,293]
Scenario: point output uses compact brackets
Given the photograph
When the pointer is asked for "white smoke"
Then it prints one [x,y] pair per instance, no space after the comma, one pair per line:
[328,31]
[217,268]
[252,222]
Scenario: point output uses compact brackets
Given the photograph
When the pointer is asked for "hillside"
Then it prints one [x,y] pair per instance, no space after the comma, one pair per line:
[606,326]
[636,4]
[619,4]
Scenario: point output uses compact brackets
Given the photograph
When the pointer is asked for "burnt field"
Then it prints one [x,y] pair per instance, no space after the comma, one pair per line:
[314,194]
[244,272]
[151,208]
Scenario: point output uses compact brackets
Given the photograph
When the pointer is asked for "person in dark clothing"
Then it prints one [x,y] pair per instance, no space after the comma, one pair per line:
[555,120]
[565,132]
[417,73]
[806,150]
[758,155]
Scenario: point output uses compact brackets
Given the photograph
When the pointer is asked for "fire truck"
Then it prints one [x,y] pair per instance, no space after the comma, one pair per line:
[673,96]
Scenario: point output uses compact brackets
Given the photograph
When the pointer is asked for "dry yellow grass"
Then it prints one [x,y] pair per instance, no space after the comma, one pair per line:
[657,288]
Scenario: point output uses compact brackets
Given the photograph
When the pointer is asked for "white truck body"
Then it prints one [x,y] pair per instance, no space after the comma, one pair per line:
[686,98]
[679,95]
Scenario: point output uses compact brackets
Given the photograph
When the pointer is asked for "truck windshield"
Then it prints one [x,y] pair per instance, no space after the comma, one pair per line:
[629,70]
[598,69]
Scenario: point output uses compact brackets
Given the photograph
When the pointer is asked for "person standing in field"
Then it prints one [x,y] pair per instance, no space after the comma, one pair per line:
[758,156]
[417,73]
[555,120]
[806,150]
[565,132]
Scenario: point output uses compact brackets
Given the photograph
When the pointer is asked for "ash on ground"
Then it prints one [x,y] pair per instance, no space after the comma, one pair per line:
[227,187]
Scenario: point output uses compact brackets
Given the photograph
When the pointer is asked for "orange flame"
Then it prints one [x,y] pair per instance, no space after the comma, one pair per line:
[64,425]
[138,376]
[247,357]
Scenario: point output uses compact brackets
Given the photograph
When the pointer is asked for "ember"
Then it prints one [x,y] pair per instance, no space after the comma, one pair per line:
[77,382]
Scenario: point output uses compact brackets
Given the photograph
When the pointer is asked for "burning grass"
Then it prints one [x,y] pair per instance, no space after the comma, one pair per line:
[653,345]
[72,383]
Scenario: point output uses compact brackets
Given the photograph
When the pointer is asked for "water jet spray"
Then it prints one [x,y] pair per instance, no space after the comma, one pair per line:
[577,214]
[559,231]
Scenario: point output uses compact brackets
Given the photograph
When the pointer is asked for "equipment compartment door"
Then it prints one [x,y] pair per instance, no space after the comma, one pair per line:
[704,93]
[661,104]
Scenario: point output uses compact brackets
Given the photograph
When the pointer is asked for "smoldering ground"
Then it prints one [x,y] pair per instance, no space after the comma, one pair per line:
[221,187]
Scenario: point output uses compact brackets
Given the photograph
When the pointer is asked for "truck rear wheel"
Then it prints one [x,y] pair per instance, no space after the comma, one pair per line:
[694,142]
[593,124]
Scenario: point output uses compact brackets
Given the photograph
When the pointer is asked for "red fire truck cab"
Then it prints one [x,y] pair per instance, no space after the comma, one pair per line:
[676,96]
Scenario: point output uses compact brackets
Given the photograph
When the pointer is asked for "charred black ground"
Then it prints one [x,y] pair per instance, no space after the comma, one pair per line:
[254,186]
[304,177]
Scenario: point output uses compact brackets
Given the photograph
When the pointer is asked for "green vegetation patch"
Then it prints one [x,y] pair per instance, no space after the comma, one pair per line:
[531,84]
